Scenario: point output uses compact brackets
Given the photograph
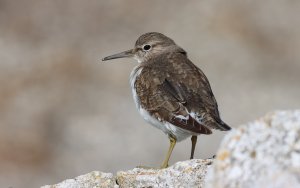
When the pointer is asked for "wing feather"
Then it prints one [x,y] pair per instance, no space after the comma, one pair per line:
[179,94]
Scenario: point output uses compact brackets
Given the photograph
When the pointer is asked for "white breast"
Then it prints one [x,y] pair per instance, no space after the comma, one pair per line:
[134,74]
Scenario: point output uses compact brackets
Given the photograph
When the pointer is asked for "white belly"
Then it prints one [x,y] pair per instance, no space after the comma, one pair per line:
[179,133]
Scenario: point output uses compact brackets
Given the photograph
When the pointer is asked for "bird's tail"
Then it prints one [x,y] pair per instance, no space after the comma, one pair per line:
[223,126]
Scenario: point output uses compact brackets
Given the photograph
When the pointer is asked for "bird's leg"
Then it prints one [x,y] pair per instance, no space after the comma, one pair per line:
[166,161]
[172,145]
[194,141]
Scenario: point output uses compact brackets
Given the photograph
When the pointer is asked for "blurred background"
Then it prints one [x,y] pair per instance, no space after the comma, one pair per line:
[63,112]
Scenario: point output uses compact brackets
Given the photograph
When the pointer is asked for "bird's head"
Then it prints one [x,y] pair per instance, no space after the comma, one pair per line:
[148,46]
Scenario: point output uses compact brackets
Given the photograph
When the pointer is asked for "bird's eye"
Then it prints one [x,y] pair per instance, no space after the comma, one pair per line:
[146,47]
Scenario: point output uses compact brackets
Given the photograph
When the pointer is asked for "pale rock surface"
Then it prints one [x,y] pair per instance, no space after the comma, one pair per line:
[93,179]
[182,174]
[264,153]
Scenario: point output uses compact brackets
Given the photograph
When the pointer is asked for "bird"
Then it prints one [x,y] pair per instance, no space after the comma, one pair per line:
[170,92]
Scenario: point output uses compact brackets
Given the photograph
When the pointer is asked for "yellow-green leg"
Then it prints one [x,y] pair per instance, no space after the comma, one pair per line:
[194,141]
[172,145]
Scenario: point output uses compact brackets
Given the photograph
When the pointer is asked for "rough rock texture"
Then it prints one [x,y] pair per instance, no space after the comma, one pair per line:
[94,179]
[182,174]
[264,153]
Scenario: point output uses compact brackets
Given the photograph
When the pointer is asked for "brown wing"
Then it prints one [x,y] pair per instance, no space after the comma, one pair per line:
[180,94]
[165,102]
[180,117]
[206,96]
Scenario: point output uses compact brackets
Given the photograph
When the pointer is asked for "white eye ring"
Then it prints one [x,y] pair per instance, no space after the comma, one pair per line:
[147,47]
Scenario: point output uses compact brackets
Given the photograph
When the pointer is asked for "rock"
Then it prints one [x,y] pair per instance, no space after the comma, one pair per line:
[94,179]
[264,153]
[182,174]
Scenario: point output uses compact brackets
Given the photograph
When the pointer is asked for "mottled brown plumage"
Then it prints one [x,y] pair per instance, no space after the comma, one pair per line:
[170,85]
[170,92]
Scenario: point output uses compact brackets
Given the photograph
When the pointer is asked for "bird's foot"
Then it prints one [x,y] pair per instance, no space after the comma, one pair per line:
[164,166]
[145,167]
[153,168]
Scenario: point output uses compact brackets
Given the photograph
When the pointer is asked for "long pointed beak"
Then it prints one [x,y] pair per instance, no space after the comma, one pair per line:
[128,53]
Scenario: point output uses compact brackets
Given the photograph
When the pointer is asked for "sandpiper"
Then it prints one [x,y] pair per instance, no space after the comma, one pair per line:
[170,92]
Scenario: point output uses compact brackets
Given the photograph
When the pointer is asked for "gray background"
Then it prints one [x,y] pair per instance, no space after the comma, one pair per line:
[63,112]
